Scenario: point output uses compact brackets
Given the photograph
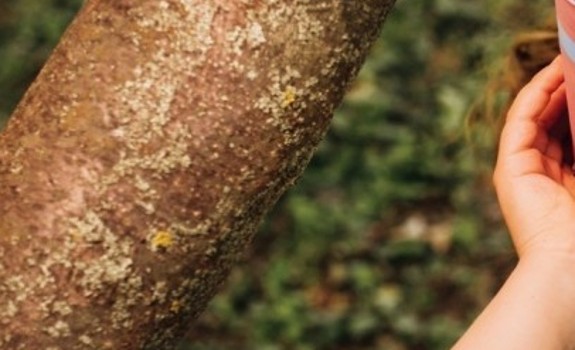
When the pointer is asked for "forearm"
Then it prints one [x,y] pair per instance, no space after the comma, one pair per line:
[535,309]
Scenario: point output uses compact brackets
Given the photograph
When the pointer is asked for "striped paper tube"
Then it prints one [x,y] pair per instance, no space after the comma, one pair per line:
[566,26]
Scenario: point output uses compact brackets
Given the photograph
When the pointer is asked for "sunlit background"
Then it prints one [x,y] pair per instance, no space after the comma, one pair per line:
[392,239]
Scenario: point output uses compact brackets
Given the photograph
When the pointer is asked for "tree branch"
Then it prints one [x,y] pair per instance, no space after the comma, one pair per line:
[140,162]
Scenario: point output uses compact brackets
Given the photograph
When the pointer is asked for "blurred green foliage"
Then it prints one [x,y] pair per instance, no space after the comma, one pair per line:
[29,29]
[392,239]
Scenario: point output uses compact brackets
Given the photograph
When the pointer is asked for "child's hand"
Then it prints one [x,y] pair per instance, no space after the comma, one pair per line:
[535,308]
[535,188]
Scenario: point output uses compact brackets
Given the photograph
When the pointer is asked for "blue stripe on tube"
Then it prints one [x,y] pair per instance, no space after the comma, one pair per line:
[567,43]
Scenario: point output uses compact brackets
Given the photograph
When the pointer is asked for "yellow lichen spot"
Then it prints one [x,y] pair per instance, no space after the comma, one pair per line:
[176,306]
[76,236]
[288,96]
[162,240]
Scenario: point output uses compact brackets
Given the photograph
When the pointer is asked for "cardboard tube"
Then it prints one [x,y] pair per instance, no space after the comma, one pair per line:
[566,26]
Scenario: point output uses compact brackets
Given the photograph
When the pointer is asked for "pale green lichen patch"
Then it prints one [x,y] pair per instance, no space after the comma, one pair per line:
[160,162]
[113,266]
[250,37]
[61,308]
[9,310]
[160,292]
[281,94]
[59,329]
[192,230]
[86,340]
[142,118]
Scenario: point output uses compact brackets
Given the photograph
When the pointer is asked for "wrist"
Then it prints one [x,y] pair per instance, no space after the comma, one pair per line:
[535,308]
[549,280]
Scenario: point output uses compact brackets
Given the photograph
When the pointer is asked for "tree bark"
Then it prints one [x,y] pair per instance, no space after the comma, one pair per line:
[140,162]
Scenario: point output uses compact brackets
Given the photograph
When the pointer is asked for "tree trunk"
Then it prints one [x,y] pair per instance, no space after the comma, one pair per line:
[140,162]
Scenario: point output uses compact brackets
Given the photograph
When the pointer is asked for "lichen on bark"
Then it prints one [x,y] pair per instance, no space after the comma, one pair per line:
[137,167]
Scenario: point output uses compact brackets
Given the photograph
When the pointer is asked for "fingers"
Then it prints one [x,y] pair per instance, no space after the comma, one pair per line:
[556,108]
[521,136]
[569,180]
[537,107]
[534,97]
[555,151]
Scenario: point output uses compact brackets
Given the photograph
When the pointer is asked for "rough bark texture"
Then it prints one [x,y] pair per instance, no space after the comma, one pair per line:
[140,162]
